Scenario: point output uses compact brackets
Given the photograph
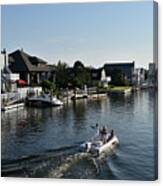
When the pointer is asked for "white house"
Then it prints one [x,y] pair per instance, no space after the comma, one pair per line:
[8,79]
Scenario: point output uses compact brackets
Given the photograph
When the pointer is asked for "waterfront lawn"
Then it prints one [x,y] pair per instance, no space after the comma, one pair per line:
[120,88]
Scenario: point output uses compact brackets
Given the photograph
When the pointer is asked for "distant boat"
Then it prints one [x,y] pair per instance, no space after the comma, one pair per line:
[44,100]
[79,96]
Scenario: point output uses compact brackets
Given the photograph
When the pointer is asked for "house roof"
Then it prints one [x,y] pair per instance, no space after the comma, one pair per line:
[120,63]
[25,62]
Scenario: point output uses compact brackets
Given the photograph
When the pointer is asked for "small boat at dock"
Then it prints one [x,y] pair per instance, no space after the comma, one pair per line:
[79,96]
[44,100]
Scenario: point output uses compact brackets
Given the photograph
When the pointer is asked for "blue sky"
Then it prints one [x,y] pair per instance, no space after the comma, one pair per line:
[94,33]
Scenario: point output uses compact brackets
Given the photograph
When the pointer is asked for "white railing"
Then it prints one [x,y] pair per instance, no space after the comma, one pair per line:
[21,93]
[12,77]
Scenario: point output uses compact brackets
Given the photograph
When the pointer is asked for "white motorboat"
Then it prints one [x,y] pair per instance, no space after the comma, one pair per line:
[45,100]
[97,146]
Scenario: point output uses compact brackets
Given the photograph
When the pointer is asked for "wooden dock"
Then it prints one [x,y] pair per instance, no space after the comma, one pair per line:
[12,107]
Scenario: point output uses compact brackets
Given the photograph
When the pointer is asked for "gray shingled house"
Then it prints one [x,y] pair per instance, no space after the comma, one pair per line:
[31,68]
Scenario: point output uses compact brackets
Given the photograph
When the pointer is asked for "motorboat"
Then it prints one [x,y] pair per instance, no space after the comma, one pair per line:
[96,146]
[45,100]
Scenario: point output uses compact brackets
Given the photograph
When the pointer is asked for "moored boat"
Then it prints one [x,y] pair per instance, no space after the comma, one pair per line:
[44,100]
[79,96]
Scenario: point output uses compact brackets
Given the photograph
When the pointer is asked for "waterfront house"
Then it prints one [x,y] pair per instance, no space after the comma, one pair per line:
[123,67]
[139,76]
[98,76]
[107,73]
[31,68]
[8,79]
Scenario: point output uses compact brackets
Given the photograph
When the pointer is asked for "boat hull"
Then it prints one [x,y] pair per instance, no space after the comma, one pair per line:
[41,102]
[112,143]
[37,103]
[98,147]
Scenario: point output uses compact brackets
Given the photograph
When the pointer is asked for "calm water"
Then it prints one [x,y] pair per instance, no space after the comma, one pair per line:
[44,142]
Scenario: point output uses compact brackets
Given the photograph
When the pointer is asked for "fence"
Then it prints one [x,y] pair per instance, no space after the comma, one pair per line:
[21,93]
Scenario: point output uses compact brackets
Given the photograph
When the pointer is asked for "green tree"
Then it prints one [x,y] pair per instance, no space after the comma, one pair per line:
[81,75]
[61,75]
[47,86]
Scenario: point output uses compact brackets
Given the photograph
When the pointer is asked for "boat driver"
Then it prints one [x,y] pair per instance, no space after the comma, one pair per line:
[110,136]
[103,134]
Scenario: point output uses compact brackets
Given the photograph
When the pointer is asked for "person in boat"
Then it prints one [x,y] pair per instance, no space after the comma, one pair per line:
[103,134]
[100,132]
[111,135]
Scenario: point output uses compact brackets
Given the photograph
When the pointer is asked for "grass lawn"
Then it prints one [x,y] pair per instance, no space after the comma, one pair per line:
[120,87]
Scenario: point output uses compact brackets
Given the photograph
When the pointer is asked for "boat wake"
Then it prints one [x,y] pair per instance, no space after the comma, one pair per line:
[71,160]
[65,162]
[36,165]
[81,165]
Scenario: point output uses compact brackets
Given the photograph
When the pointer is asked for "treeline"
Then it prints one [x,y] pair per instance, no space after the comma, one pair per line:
[78,76]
